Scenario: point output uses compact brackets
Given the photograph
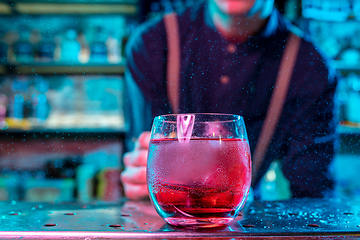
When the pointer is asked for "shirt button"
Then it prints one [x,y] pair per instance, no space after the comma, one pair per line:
[231,48]
[224,79]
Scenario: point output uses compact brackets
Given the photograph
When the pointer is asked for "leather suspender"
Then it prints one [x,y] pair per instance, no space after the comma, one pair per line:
[173,61]
[277,99]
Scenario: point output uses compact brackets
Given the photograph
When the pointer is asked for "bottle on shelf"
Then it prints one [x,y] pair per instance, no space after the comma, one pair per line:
[70,47]
[3,46]
[353,101]
[85,181]
[3,105]
[46,47]
[108,187]
[19,105]
[113,46]
[23,48]
[356,9]
[17,101]
[98,50]
[40,104]
[84,48]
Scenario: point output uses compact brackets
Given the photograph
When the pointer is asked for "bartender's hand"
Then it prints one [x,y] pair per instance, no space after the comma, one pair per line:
[134,175]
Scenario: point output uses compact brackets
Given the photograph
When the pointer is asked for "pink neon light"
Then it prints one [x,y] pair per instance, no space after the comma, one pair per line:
[68,234]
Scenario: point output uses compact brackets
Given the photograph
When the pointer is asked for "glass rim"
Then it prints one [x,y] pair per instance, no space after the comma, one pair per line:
[236,116]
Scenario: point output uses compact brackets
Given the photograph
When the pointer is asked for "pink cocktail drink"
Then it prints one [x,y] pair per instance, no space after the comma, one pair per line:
[202,182]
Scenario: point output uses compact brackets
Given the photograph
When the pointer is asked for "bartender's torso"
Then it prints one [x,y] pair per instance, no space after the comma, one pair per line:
[218,75]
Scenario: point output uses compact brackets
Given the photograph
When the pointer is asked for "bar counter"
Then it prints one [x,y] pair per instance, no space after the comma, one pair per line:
[293,219]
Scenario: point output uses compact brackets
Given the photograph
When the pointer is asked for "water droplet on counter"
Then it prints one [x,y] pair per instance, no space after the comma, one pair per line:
[313,225]
[69,213]
[248,225]
[50,225]
[292,214]
[115,225]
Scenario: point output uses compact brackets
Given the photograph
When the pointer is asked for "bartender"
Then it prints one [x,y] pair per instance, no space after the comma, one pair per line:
[231,52]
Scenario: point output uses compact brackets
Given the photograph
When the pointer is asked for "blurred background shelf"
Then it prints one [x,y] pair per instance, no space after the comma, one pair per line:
[135,2]
[346,130]
[59,68]
[343,65]
[127,7]
[5,8]
[64,133]
[61,97]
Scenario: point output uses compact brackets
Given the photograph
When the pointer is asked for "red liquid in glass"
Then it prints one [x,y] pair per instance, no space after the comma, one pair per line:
[203,183]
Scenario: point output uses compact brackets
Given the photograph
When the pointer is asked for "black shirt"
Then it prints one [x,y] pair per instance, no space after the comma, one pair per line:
[218,75]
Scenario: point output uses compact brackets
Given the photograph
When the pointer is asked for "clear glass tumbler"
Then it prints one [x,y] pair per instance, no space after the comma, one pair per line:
[199,168]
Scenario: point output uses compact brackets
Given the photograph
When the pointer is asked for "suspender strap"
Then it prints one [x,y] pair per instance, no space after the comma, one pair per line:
[173,61]
[277,102]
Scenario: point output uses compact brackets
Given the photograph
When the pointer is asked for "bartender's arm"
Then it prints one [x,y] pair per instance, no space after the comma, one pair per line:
[144,83]
[311,121]
[134,175]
